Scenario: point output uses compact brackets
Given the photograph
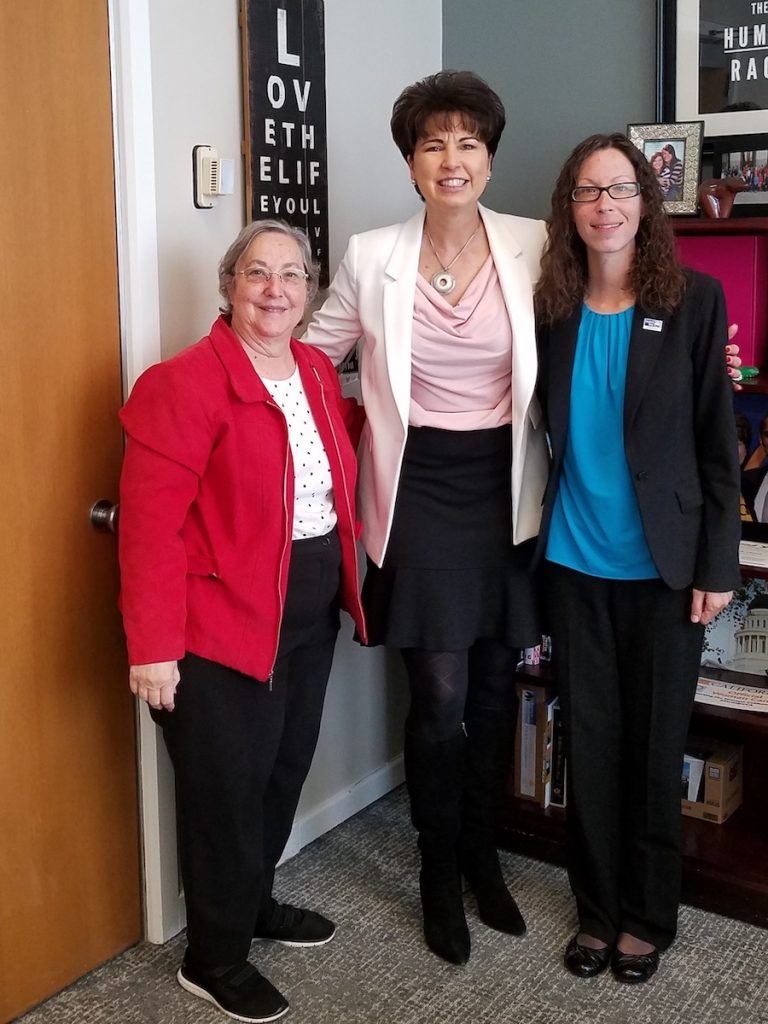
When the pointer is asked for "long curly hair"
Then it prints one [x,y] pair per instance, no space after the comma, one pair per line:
[656,277]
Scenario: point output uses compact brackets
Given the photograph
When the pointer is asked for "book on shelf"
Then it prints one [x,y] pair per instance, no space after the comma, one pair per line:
[533,749]
[559,790]
[692,777]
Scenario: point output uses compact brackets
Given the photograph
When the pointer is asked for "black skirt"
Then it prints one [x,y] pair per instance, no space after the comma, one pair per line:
[451,575]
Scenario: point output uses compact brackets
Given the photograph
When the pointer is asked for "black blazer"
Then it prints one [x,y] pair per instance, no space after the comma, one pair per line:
[679,434]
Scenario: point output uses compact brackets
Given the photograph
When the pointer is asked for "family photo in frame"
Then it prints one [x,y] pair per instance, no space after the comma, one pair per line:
[674,153]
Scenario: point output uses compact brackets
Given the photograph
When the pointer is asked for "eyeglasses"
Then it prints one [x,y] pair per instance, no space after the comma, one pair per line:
[619,190]
[260,276]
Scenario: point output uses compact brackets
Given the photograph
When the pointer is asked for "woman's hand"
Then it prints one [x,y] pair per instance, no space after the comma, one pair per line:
[706,605]
[732,360]
[155,683]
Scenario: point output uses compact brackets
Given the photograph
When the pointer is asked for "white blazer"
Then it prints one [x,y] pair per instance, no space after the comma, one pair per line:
[371,301]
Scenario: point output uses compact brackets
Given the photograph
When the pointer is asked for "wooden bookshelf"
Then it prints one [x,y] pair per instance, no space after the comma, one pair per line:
[725,867]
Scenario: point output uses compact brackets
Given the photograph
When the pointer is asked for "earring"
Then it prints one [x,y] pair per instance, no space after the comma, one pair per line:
[488,178]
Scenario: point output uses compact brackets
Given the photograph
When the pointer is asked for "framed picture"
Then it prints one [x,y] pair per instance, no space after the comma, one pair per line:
[750,409]
[285,150]
[712,63]
[674,152]
[743,158]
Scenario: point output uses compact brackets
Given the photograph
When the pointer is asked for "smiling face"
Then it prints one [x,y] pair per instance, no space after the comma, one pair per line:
[268,311]
[607,226]
[450,165]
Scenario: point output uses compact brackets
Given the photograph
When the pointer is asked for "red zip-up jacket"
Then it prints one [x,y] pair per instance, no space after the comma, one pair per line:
[206,504]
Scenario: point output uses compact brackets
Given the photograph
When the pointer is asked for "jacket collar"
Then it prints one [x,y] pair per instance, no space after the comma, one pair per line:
[502,243]
[561,355]
[646,340]
[247,384]
[404,259]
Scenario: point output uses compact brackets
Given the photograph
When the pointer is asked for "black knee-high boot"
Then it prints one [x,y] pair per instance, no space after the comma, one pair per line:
[488,760]
[433,772]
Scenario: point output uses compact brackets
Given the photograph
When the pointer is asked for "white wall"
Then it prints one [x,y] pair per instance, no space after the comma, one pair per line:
[197,100]
[563,70]
[372,51]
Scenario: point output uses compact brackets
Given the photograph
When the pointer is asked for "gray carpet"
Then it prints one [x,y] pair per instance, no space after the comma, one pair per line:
[378,971]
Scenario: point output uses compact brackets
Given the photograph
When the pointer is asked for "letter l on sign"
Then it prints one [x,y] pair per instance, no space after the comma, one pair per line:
[283,57]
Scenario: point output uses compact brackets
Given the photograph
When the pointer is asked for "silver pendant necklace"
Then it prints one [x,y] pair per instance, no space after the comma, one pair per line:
[444,281]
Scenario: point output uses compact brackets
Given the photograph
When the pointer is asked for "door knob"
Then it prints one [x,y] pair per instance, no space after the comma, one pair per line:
[104,516]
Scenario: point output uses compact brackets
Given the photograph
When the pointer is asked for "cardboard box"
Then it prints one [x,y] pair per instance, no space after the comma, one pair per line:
[533,747]
[719,790]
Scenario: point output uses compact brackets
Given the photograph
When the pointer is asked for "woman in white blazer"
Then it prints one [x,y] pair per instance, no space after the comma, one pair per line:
[442,309]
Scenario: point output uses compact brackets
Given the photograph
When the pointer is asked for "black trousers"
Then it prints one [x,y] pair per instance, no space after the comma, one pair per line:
[627,659]
[241,750]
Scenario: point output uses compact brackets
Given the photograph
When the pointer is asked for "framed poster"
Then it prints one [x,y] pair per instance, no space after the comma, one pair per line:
[712,64]
[286,161]
[751,413]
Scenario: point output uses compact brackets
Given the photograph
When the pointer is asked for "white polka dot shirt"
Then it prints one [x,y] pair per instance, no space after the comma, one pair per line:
[313,511]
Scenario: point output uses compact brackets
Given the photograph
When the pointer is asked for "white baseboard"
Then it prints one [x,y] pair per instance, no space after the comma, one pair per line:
[343,805]
[310,826]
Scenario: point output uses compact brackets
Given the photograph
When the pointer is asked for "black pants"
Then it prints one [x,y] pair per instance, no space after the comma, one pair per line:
[627,660]
[241,750]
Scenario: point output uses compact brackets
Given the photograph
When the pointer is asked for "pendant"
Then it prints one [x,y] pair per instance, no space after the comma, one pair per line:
[443,282]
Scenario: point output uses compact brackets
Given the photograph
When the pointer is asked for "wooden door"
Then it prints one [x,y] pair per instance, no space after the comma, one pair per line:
[69,853]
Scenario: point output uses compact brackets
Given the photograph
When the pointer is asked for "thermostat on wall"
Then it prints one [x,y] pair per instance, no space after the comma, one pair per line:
[211,176]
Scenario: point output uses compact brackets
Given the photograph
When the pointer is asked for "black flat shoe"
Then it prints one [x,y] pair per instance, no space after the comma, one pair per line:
[634,968]
[585,962]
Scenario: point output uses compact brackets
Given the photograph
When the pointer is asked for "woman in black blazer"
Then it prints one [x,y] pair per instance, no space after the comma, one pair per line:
[640,531]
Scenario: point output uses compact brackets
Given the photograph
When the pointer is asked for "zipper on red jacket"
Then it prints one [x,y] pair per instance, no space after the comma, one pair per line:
[346,499]
[280,604]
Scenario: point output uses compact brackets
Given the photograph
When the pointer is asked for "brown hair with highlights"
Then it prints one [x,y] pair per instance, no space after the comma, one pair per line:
[656,277]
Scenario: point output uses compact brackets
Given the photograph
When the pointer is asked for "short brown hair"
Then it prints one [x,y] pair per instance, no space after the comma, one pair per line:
[445,96]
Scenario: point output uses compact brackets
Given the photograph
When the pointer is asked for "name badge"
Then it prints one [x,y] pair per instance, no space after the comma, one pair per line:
[652,325]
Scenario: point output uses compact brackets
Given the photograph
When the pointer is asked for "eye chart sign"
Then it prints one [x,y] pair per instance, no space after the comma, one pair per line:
[286,148]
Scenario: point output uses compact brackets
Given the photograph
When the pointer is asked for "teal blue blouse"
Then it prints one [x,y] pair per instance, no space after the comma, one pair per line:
[596,527]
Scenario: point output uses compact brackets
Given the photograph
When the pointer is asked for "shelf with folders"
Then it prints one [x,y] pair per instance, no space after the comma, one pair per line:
[725,866]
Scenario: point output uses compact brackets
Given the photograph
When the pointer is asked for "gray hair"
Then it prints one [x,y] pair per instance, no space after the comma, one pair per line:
[251,231]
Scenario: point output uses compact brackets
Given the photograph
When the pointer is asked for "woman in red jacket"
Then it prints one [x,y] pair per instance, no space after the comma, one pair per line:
[237,548]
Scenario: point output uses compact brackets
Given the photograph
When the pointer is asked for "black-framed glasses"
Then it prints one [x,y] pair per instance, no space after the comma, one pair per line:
[619,190]
[261,276]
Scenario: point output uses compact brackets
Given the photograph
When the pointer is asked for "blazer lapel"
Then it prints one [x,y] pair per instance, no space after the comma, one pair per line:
[245,383]
[645,344]
[560,356]
[397,311]
[516,287]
